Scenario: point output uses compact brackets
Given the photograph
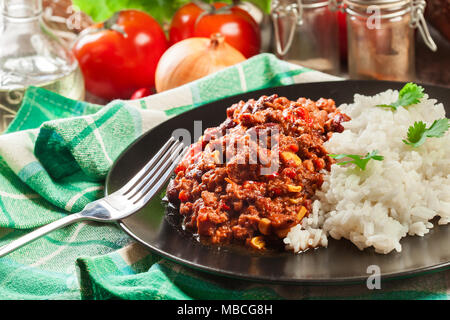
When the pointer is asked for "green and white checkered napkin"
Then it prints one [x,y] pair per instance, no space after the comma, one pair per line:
[53,161]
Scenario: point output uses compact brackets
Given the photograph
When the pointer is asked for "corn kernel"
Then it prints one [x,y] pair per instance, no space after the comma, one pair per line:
[290,156]
[293,188]
[258,243]
[264,226]
[301,213]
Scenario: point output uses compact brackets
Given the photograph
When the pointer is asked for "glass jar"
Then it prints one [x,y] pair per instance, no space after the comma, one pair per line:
[30,55]
[306,33]
[381,38]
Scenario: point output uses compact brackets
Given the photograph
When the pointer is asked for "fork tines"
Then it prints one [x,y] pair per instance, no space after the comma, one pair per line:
[147,182]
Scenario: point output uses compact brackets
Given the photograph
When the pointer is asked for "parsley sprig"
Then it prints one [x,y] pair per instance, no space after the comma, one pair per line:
[418,133]
[410,94]
[359,161]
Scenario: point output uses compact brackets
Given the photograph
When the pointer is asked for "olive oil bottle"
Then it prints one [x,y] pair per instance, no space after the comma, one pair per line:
[30,55]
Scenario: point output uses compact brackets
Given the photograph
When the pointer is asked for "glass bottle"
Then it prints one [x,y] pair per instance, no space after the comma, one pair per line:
[381,38]
[30,55]
[306,33]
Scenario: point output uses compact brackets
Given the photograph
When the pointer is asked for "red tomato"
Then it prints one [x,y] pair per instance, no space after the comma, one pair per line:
[273,175]
[237,26]
[294,148]
[183,196]
[297,113]
[116,61]
[290,172]
[141,93]
[183,22]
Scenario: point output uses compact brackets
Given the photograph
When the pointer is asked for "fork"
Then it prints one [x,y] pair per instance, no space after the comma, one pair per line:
[122,203]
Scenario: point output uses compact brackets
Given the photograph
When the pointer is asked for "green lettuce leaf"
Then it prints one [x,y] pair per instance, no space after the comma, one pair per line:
[161,10]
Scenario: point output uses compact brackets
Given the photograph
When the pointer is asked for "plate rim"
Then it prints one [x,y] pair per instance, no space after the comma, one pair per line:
[266,279]
[335,281]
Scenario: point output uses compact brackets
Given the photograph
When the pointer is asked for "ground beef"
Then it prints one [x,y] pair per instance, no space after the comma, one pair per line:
[252,178]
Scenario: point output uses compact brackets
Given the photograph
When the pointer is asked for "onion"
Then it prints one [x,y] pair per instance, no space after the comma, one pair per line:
[194,58]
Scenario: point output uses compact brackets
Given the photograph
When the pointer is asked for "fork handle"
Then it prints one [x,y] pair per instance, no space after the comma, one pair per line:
[42,231]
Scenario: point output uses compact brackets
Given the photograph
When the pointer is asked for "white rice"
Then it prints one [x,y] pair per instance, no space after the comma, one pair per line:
[391,198]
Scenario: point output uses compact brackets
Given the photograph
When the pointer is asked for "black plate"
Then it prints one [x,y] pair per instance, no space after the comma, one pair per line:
[340,262]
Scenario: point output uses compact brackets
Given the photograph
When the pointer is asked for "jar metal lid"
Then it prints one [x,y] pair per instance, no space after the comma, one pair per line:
[375,2]
[314,3]
[307,4]
[381,4]
[416,7]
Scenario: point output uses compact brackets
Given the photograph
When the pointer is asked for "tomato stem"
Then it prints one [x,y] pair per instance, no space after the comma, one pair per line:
[111,24]
[207,7]
[210,9]
[224,10]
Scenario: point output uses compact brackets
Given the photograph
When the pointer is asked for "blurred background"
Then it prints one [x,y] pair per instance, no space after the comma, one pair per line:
[431,67]
[104,50]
